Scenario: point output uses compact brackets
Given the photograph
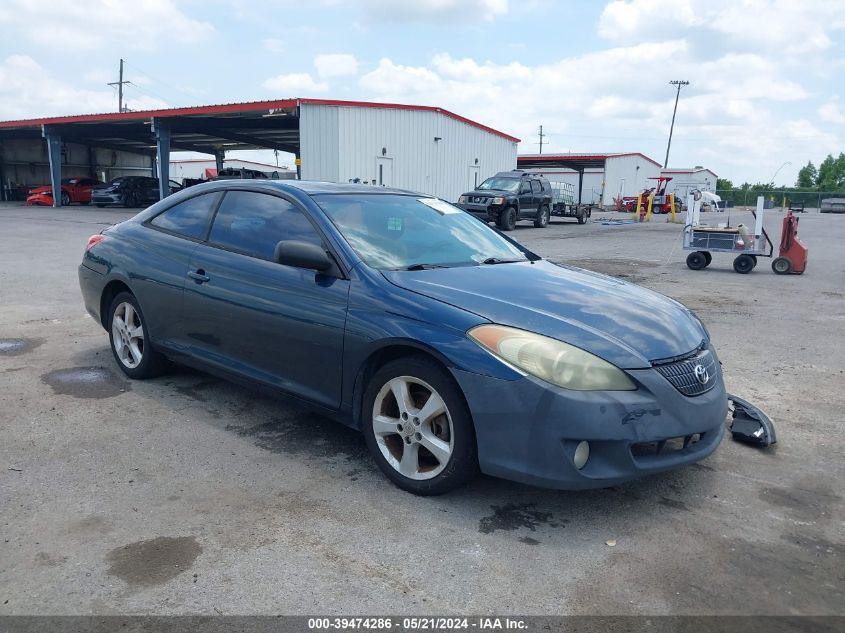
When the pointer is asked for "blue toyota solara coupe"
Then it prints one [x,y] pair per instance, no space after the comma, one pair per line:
[450,346]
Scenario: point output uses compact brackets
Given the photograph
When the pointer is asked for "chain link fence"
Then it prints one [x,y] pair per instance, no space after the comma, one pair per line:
[776,198]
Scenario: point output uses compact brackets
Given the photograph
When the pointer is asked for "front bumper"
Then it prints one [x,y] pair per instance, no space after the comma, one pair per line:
[490,212]
[527,430]
[106,198]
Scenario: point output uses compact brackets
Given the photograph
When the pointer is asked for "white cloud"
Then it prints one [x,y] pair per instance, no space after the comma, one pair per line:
[97,23]
[28,90]
[295,85]
[614,100]
[440,11]
[831,112]
[274,45]
[336,65]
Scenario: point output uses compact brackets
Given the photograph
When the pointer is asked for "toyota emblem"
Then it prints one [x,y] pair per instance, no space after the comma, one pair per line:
[701,374]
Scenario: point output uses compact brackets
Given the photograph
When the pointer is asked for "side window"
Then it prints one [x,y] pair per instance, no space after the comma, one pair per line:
[525,187]
[189,218]
[535,186]
[253,223]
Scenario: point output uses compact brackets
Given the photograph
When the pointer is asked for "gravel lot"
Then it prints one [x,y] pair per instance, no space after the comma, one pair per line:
[186,494]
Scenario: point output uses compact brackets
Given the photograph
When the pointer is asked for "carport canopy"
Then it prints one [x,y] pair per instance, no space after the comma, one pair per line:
[576,162]
[211,130]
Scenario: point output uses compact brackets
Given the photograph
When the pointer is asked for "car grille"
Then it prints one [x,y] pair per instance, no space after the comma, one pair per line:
[688,375]
[669,445]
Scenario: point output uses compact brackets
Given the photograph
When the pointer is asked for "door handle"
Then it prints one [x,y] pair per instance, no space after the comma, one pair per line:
[198,276]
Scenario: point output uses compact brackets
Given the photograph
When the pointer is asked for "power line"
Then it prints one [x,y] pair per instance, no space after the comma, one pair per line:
[159,81]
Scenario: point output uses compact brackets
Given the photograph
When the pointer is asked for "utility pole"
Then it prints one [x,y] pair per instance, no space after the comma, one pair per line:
[542,136]
[119,83]
[674,112]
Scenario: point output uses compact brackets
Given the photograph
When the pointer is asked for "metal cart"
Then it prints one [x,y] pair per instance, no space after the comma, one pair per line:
[564,205]
[740,240]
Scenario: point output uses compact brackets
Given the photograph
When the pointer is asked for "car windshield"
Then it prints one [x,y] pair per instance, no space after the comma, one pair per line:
[501,184]
[395,232]
[117,180]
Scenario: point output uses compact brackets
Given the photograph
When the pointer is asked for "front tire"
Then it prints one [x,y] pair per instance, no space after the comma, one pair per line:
[418,428]
[130,340]
[697,260]
[65,199]
[743,264]
[130,199]
[781,265]
[542,219]
[507,219]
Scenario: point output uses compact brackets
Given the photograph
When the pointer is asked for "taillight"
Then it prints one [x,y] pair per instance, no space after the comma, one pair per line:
[94,240]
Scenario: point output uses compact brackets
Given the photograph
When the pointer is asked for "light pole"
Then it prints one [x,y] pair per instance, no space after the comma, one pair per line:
[777,171]
[678,83]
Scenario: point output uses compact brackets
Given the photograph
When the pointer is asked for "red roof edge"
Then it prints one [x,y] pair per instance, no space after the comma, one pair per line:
[240,107]
[559,157]
[145,114]
[404,106]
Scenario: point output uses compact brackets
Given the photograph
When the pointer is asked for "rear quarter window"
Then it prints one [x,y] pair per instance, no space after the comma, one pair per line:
[189,218]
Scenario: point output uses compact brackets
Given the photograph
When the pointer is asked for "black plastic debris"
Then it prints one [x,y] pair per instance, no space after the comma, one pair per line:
[750,425]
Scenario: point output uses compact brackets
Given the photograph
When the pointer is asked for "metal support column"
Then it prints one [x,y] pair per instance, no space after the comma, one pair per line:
[580,184]
[162,132]
[219,155]
[92,162]
[54,154]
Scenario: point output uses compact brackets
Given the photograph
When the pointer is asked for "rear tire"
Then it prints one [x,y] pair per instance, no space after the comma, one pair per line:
[507,219]
[708,257]
[400,430]
[542,219]
[782,266]
[99,206]
[130,339]
[744,264]
[582,219]
[697,260]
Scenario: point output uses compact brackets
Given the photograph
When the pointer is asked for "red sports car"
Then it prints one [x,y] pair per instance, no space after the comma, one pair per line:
[73,190]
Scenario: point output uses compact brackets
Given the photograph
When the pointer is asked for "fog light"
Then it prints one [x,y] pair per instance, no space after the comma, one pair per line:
[582,454]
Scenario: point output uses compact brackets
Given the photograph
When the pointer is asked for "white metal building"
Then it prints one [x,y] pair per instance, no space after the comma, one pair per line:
[684,180]
[420,148]
[600,177]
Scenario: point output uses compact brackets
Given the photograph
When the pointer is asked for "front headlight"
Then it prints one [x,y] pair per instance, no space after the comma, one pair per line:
[551,360]
[462,200]
[498,200]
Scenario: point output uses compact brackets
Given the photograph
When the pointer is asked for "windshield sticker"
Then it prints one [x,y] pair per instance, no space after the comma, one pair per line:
[394,224]
[441,206]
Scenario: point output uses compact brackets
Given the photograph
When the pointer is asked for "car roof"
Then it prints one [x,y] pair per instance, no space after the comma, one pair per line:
[309,187]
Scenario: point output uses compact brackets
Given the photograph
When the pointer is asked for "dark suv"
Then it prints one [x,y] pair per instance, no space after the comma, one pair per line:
[130,191]
[508,197]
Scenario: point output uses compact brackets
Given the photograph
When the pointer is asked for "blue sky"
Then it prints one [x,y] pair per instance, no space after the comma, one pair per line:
[766,75]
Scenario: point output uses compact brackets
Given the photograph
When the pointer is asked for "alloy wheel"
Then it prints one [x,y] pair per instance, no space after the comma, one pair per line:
[128,335]
[413,428]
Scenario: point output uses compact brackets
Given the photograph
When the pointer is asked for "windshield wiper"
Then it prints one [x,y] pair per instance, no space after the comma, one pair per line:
[424,266]
[496,260]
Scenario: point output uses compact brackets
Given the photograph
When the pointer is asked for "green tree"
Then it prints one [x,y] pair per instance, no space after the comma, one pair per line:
[807,176]
[831,174]
[723,184]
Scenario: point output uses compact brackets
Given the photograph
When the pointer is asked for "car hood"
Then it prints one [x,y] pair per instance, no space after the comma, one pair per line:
[44,189]
[625,324]
[489,193]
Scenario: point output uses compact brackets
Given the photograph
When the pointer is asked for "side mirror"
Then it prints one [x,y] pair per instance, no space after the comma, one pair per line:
[302,255]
